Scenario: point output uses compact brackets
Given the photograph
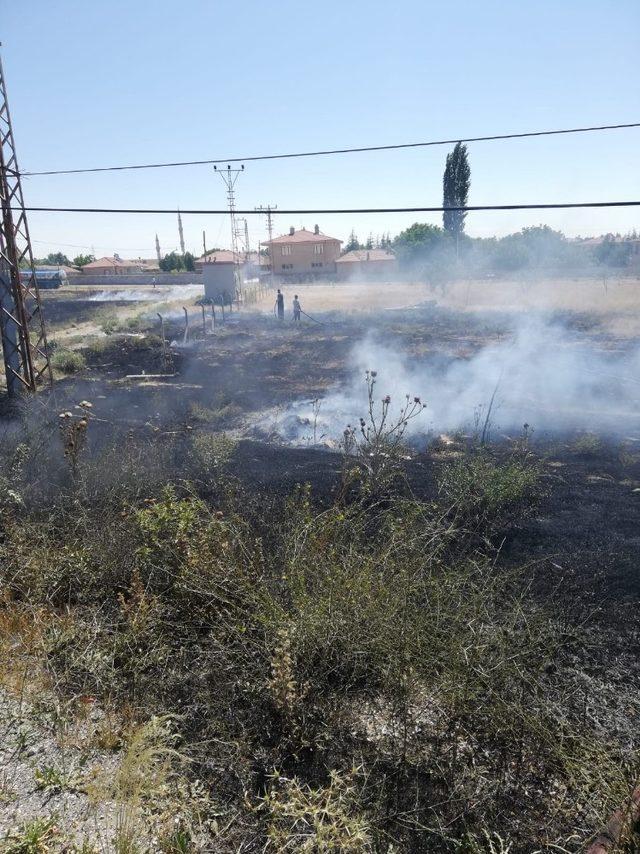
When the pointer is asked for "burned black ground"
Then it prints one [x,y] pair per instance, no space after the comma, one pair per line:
[574,541]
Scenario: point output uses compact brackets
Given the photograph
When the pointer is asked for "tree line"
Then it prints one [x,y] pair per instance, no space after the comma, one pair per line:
[439,251]
[172,262]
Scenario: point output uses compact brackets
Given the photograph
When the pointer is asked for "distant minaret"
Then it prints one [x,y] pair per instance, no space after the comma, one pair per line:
[180,232]
[158,253]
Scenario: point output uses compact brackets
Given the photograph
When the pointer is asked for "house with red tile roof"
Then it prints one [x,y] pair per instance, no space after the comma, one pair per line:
[302,255]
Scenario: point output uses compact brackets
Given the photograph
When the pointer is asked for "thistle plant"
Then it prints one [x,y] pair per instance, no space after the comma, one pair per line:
[73,431]
[377,443]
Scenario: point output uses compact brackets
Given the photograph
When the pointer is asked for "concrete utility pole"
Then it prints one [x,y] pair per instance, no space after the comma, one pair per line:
[24,340]
[158,253]
[204,243]
[180,232]
[268,209]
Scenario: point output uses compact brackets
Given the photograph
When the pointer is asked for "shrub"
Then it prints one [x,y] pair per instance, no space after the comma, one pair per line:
[318,821]
[68,361]
[287,641]
[482,493]
[109,324]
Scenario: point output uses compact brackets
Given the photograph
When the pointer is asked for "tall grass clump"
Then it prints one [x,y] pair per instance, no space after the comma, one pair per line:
[68,361]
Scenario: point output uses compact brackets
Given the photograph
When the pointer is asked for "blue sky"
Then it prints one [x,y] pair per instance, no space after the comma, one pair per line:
[100,83]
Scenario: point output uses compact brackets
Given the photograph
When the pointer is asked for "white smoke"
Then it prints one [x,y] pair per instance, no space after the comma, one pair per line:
[161,294]
[542,374]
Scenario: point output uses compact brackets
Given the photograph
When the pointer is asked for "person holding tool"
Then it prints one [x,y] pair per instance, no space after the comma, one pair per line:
[297,309]
[279,306]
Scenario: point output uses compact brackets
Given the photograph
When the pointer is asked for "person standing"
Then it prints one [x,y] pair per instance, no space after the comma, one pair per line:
[280,305]
[297,308]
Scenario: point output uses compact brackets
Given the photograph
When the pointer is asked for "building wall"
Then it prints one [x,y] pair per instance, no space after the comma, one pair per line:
[137,279]
[112,271]
[219,281]
[304,260]
[367,271]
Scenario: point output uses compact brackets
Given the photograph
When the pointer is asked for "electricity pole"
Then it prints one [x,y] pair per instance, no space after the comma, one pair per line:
[24,340]
[268,210]
[180,232]
[230,176]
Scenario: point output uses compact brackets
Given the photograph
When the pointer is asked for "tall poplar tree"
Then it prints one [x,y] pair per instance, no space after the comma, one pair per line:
[455,185]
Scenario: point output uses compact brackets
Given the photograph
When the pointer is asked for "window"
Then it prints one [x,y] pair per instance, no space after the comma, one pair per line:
[316,263]
[286,250]
[318,248]
[287,266]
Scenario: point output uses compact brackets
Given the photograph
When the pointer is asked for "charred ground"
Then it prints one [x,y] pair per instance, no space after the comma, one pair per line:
[548,522]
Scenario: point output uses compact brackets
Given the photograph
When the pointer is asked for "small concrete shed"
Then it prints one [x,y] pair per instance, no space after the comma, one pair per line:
[220,280]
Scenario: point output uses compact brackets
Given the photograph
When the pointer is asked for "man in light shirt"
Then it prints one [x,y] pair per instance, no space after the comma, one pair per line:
[297,309]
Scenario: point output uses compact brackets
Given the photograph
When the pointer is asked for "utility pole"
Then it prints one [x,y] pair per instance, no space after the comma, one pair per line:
[229,177]
[268,209]
[204,243]
[180,232]
[24,340]
[158,252]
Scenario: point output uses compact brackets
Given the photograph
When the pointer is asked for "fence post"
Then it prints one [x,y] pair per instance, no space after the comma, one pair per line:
[186,325]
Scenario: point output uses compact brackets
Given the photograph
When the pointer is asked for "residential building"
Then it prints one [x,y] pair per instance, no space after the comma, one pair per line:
[116,266]
[366,265]
[302,255]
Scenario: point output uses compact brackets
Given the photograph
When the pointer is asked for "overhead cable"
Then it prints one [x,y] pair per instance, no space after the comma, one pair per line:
[329,151]
[253,212]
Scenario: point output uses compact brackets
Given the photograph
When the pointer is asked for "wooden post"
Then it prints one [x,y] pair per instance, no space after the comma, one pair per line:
[204,323]
[186,325]
[213,315]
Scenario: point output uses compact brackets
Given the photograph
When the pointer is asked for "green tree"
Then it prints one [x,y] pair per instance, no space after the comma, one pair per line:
[352,243]
[455,185]
[189,262]
[57,258]
[172,262]
[83,260]
[418,242]
[369,243]
[613,252]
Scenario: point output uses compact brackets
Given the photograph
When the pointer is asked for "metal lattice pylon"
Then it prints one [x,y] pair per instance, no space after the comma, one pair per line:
[24,342]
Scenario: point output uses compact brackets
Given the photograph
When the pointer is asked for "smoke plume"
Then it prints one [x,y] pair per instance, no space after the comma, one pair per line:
[543,374]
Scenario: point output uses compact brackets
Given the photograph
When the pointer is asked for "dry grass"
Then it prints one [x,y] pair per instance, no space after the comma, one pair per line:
[274,646]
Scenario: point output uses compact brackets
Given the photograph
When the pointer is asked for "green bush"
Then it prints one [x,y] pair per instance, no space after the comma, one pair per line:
[109,324]
[484,494]
[68,361]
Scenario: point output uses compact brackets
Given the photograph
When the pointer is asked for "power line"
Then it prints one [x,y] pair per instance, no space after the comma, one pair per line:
[94,246]
[304,211]
[320,153]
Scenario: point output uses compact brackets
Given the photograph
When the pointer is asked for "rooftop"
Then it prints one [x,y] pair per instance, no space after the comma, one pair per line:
[107,262]
[302,236]
[357,256]
[226,256]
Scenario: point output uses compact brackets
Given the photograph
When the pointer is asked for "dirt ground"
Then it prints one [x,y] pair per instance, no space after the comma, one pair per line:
[617,298]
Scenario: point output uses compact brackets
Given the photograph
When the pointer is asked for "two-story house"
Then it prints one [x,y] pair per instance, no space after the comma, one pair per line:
[302,255]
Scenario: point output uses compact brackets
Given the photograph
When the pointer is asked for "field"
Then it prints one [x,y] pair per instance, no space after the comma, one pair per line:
[248,604]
